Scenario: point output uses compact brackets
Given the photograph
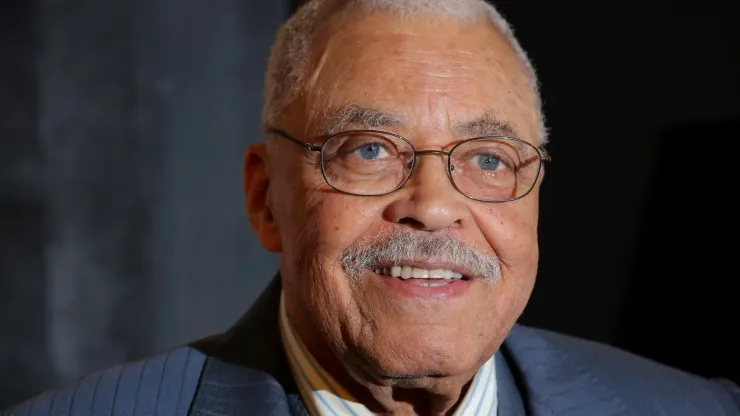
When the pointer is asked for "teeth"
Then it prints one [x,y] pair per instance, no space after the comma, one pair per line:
[420,273]
[408,272]
[428,283]
[437,274]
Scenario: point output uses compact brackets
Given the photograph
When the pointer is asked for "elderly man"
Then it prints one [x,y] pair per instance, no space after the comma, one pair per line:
[399,182]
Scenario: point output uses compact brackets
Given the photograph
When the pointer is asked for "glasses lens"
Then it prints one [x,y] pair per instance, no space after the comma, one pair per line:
[366,163]
[494,169]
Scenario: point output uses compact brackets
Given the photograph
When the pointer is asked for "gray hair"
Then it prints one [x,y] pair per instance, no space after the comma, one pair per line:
[400,247]
[287,65]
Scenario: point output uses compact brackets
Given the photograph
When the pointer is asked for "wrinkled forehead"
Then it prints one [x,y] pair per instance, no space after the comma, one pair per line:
[422,74]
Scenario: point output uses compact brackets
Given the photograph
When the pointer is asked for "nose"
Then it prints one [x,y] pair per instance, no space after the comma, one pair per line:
[428,201]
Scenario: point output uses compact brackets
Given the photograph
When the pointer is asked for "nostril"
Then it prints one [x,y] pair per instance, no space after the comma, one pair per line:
[411,222]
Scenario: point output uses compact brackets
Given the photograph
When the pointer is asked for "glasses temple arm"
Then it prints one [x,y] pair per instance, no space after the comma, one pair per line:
[287,136]
[542,156]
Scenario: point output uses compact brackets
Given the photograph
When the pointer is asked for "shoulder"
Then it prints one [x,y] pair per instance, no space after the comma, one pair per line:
[544,358]
[178,383]
[164,384]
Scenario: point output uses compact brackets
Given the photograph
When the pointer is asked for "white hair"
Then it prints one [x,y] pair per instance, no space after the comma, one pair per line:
[288,62]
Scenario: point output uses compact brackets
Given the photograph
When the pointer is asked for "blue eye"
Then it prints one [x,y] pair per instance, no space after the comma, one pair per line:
[371,151]
[488,162]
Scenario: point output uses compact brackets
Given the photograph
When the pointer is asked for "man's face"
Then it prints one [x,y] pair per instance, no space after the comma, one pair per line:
[434,76]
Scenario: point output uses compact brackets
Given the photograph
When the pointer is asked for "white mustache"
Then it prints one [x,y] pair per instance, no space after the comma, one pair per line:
[399,247]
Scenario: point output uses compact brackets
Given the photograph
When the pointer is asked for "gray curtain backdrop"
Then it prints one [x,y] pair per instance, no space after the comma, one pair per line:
[122,225]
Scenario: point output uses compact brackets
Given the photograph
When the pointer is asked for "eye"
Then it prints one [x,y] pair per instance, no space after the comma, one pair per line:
[371,151]
[488,162]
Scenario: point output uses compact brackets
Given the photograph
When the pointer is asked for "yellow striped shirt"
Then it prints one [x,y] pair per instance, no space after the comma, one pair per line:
[324,396]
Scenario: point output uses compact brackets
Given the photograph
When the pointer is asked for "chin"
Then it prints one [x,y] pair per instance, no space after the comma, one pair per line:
[417,357]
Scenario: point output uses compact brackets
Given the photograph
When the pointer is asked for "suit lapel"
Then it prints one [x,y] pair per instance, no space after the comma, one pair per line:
[254,342]
[509,398]
[250,354]
[552,382]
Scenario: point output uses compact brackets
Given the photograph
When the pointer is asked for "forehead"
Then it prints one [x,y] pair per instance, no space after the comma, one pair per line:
[432,73]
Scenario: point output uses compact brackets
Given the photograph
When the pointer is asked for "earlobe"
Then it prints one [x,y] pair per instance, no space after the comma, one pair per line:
[257,192]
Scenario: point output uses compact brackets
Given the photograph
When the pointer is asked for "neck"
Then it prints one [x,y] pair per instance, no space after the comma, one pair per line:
[387,396]
[423,398]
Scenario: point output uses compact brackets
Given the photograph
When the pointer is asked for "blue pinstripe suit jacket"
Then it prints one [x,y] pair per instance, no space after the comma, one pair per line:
[244,372]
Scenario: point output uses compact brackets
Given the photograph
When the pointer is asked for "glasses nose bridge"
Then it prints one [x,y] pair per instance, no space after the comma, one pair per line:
[431,152]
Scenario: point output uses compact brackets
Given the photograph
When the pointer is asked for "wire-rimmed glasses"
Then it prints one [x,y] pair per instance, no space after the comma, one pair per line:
[375,163]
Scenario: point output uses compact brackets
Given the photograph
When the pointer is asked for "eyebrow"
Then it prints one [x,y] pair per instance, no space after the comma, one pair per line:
[358,117]
[486,125]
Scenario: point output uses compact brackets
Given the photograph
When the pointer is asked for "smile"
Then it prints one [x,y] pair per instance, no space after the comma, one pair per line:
[421,277]
[408,272]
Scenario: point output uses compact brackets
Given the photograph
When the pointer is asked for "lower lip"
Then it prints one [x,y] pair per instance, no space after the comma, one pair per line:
[410,290]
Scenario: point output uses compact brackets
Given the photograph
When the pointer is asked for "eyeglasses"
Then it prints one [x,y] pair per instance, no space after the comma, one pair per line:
[375,163]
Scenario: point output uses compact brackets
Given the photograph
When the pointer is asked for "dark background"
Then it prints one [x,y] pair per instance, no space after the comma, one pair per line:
[122,226]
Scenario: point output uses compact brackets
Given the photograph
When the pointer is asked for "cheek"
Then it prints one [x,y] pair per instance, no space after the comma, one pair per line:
[298,201]
[323,222]
[342,219]
[511,231]
[332,222]
[339,220]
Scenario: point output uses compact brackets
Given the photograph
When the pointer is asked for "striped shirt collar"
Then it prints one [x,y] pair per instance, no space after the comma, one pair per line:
[324,396]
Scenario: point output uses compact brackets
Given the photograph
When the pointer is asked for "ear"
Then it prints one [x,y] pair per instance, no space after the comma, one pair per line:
[257,191]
